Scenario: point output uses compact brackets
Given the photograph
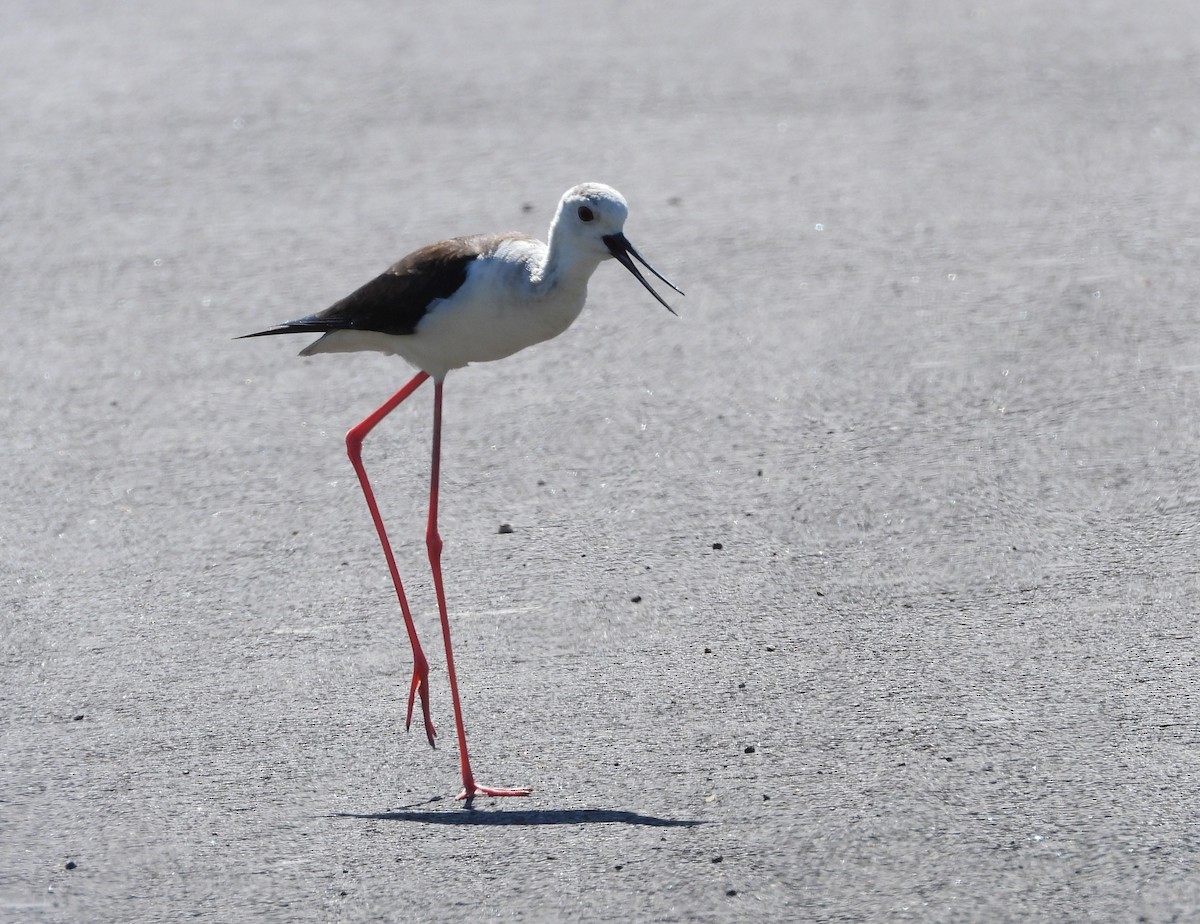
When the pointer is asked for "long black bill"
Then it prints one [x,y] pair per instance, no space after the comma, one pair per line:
[618,245]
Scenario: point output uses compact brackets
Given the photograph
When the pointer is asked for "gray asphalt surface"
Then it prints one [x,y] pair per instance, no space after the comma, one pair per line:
[934,391]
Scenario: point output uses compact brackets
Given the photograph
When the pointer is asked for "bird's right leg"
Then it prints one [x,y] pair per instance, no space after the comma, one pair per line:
[354,441]
[433,541]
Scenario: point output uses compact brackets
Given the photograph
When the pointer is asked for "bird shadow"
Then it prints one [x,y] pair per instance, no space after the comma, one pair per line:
[470,815]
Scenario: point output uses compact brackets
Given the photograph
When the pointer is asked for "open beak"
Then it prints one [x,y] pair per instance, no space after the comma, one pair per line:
[618,245]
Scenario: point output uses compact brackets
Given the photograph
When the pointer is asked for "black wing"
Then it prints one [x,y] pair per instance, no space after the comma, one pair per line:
[395,301]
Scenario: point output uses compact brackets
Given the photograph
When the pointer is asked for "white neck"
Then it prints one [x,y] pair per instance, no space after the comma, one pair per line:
[567,266]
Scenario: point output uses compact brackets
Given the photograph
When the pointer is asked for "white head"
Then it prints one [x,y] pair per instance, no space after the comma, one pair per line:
[591,220]
[586,214]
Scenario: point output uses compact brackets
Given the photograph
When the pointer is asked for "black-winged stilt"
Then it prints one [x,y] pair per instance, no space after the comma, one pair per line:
[460,301]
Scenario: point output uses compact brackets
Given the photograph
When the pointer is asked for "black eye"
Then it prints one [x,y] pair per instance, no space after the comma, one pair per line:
[585,214]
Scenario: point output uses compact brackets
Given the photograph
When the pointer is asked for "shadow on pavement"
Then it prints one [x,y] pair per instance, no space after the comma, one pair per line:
[472,816]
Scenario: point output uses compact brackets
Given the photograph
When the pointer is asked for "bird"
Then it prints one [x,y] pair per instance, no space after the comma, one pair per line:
[464,300]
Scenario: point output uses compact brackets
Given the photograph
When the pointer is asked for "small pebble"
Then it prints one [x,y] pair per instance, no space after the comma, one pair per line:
[636,598]
[718,859]
[77,718]
[708,651]
[505,529]
[749,749]
[731,892]
[70,864]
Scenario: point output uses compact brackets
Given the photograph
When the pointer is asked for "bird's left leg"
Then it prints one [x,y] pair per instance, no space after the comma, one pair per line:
[354,441]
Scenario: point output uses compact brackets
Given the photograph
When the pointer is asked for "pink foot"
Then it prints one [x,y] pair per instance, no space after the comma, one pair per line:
[474,789]
[420,684]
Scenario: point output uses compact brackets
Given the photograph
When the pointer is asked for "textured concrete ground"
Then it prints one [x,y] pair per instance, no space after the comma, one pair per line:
[934,392]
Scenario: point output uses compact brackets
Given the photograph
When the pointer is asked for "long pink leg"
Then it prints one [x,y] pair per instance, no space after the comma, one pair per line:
[434,541]
[354,441]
